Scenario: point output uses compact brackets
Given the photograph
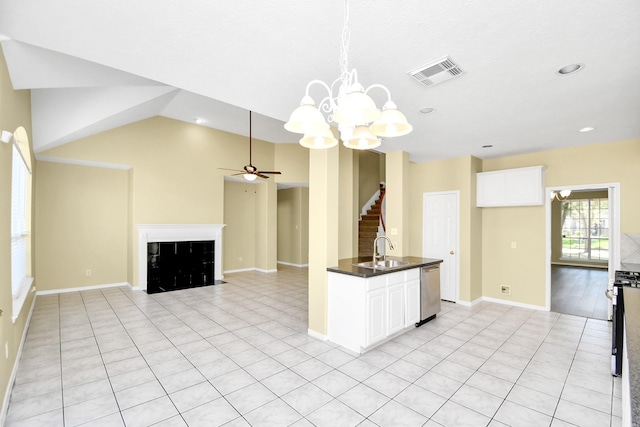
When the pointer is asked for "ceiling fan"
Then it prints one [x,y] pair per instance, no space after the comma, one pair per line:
[249,171]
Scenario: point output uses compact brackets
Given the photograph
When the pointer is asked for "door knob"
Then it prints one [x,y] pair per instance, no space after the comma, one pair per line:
[452,253]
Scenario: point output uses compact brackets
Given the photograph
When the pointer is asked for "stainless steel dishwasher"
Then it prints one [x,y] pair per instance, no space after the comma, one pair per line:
[429,293]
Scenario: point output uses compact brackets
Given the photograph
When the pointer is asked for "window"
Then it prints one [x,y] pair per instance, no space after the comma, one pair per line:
[585,229]
[20,220]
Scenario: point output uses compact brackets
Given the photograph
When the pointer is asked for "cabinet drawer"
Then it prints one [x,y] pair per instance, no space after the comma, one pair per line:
[412,274]
[393,278]
[375,283]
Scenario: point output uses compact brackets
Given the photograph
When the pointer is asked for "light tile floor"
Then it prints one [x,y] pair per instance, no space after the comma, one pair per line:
[238,354]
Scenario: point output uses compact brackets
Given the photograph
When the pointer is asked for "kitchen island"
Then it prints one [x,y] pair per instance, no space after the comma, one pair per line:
[368,306]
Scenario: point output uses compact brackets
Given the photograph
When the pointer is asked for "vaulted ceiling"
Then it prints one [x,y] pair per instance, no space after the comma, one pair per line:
[95,65]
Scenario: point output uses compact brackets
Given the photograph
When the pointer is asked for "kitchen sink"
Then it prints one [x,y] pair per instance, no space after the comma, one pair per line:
[385,264]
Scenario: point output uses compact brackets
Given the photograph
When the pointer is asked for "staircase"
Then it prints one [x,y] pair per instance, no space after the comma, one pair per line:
[368,227]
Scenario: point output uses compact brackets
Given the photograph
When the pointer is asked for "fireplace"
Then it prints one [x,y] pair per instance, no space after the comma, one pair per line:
[188,255]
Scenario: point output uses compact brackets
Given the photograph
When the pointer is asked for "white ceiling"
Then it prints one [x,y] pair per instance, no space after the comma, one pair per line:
[95,65]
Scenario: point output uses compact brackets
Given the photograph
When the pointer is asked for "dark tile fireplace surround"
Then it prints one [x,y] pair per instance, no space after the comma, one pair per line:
[180,265]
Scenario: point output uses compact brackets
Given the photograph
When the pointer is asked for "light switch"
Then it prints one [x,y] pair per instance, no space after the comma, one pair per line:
[393,232]
[513,245]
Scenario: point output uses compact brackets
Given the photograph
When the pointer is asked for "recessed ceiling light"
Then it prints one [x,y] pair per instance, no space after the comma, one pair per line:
[570,69]
[487,146]
[427,110]
[199,120]
[587,129]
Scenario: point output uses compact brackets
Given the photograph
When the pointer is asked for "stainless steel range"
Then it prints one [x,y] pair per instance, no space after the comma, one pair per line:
[622,279]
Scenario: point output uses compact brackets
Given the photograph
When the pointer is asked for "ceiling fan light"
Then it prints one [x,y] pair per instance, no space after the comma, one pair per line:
[362,139]
[356,108]
[391,122]
[321,140]
[250,176]
[306,118]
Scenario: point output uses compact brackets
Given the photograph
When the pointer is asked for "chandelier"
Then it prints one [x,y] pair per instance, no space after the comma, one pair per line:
[347,104]
[561,195]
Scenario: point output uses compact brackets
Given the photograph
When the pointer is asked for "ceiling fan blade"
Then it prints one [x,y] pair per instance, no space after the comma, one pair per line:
[262,176]
[235,170]
[271,172]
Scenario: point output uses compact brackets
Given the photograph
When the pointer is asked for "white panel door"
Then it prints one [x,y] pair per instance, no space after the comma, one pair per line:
[440,238]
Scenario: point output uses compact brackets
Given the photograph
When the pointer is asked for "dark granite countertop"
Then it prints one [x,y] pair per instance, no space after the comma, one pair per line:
[632,323]
[345,266]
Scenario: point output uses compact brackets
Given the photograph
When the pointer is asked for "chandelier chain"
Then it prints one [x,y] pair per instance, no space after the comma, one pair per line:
[344,51]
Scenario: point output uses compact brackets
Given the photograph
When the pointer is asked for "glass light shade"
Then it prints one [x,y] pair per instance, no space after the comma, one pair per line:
[356,108]
[391,123]
[362,139]
[324,139]
[250,176]
[306,119]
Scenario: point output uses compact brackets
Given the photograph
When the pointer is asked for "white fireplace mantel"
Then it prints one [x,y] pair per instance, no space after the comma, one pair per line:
[177,233]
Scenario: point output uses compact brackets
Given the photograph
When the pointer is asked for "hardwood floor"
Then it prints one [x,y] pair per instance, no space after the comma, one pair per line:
[579,291]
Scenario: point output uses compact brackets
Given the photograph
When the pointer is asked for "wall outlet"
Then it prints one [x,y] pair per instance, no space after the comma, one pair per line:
[505,290]
[87,273]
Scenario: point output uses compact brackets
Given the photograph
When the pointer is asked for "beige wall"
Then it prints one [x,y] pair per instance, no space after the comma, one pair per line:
[451,175]
[175,179]
[523,268]
[349,209]
[556,227]
[239,233]
[81,215]
[293,226]
[15,111]
[293,161]
[370,175]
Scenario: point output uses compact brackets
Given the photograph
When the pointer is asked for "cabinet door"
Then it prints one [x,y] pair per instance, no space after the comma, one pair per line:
[376,319]
[412,298]
[395,307]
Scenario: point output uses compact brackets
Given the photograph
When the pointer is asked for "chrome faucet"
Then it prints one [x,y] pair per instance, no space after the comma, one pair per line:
[376,255]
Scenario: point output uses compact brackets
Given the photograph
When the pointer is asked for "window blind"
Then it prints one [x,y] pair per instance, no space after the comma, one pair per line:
[19,230]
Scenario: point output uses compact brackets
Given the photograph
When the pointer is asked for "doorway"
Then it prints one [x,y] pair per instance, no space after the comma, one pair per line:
[440,213]
[576,248]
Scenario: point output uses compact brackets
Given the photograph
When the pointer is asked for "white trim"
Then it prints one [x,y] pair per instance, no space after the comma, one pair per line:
[19,299]
[77,162]
[614,232]
[456,193]
[469,304]
[293,265]
[317,335]
[262,270]
[515,304]
[575,264]
[84,288]
[14,371]
[242,270]
[177,233]
[239,270]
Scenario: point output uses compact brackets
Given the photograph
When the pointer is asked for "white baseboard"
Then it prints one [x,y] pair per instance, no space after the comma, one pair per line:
[14,371]
[512,303]
[293,265]
[242,270]
[84,288]
[317,335]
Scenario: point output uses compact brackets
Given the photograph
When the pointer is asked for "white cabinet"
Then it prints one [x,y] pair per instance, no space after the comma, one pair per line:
[395,305]
[412,302]
[375,316]
[363,312]
[511,187]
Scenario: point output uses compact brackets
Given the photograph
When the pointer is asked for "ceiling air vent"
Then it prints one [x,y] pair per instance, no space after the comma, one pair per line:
[436,72]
